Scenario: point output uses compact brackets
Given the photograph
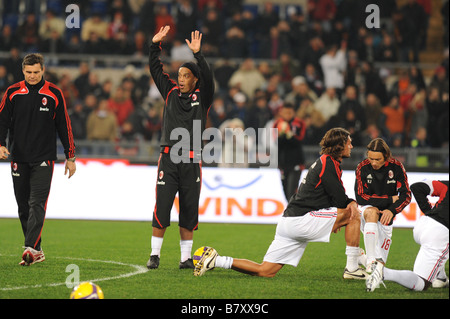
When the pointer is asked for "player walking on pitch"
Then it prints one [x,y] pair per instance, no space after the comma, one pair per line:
[34,112]
[431,233]
[382,191]
[179,166]
[318,208]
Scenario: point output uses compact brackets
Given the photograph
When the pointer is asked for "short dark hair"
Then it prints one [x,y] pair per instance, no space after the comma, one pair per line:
[32,59]
[379,145]
[334,141]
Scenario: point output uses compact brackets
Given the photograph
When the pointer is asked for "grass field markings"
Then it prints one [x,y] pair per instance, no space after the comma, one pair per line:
[138,270]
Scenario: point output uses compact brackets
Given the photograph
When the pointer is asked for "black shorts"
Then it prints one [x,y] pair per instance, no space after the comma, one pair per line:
[184,179]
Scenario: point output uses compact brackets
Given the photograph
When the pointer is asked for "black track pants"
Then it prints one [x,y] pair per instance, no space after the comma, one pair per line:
[32,187]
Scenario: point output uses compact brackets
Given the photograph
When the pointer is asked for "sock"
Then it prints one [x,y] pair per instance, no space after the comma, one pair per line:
[370,241]
[156,246]
[224,262]
[406,278]
[352,258]
[186,249]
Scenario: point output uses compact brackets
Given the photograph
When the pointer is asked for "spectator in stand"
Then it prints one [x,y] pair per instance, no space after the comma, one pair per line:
[235,43]
[395,121]
[123,7]
[102,125]
[351,115]
[322,11]
[374,114]
[8,39]
[372,82]
[78,117]
[5,79]
[248,78]
[287,68]
[163,18]
[118,33]
[186,19]
[14,64]
[223,70]
[213,33]
[266,20]
[313,52]
[94,24]
[440,80]
[51,26]
[387,51]
[95,44]
[291,159]
[121,105]
[139,47]
[436,108]
[333,64]
[314,79]
[217,114]
[68,89]
[413,17]
[28,33]
[82,80]
[328,104]
[260,114]
[300,92]
[203,5]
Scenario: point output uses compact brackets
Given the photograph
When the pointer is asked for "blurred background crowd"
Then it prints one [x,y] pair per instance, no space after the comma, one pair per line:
[318,55]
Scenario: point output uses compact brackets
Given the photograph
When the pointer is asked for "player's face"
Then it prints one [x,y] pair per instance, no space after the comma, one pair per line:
[186,80]
[33,73]
[376,159]
[347,148]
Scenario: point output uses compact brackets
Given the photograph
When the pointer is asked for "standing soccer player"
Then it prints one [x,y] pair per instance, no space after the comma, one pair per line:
[318,208]
[34,112]
[179,167]
[431,233]
[382,191]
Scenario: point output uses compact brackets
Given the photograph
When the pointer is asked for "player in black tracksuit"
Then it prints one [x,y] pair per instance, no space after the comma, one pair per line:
[179,167]
[32,114]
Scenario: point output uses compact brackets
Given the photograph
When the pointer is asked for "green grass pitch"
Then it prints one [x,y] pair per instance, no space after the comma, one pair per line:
[115,253]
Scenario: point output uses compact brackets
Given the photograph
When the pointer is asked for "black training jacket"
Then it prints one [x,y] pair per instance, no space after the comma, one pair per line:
[34,115]
[181,110]
[376,187]
[321,188]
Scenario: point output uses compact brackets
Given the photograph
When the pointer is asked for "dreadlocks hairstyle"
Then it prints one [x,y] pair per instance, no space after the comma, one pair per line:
[32,59]
[333,142]
[379,145]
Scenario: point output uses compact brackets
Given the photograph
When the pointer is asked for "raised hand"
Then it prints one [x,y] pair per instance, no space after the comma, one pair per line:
[196,41]
[161,34]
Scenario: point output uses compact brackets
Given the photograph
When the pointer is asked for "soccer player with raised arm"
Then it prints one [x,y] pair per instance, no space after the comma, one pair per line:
[179,166]
[319,208]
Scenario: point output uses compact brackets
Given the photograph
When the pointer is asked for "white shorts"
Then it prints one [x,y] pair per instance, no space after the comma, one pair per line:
[384,237]
[294,233]
[432,237]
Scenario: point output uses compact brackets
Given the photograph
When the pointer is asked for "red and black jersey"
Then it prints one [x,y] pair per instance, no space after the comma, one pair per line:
[321,188]
[376,187]
[440,210]
[34,115]
[182,109]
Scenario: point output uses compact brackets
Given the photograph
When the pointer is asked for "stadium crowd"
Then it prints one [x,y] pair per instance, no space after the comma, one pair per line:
[320,57]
